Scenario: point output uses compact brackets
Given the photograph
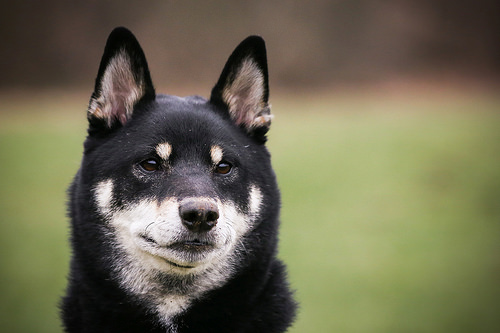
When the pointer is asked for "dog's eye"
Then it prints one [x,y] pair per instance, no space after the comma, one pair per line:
[223,168]
[150,165]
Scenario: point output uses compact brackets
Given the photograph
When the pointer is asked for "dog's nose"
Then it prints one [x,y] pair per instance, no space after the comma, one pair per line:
[198,215]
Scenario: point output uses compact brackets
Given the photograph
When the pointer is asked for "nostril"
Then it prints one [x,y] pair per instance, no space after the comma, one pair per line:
[191,215]
[212,216]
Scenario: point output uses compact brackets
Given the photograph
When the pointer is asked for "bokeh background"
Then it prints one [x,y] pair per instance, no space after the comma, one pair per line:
[386,144]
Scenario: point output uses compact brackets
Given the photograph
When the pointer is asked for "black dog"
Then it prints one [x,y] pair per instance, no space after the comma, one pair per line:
[175,207]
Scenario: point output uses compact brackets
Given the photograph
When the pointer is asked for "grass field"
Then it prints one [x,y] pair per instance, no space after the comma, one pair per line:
[390,221]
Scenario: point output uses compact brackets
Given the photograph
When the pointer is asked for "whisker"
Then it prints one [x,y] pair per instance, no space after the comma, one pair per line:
[146,229]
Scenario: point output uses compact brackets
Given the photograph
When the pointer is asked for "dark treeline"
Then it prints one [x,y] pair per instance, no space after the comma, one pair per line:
[57,43]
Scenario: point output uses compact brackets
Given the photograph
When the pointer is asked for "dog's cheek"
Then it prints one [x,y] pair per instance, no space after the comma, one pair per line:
[103,194]
[129,224]
[239,220]
[255,200]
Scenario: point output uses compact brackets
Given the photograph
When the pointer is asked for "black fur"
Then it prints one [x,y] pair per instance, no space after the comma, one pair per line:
[254,299]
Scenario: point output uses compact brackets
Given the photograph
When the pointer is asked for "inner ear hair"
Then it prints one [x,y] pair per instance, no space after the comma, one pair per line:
[245,96]
[118,92]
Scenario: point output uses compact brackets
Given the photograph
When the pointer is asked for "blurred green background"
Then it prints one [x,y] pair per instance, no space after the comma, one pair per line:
[390,217]
[386,143]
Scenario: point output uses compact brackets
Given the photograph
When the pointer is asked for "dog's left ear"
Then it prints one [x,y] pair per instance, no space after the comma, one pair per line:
[243,88]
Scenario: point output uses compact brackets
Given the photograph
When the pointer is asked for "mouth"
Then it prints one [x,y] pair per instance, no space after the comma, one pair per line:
[193,250]
[194,245]
[177,265]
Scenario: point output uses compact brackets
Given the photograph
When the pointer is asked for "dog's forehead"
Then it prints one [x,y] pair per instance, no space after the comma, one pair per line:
[183,111]
[178,102]
[190,120]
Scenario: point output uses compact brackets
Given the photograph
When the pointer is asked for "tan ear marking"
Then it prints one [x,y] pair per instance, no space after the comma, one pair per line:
[245,96]
[119,92]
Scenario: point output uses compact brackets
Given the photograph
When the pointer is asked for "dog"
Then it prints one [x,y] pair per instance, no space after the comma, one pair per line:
[175,208]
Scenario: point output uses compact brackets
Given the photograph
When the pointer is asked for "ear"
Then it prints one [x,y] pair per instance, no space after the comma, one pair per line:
[122,81]
[243,88]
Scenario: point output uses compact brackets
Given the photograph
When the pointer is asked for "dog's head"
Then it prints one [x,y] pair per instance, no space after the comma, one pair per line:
[179,186]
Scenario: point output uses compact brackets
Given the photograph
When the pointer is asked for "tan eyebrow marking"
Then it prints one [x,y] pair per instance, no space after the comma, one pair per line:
[164,150]
[216,154]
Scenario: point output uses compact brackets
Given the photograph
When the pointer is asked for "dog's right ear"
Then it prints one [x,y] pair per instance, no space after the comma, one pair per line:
[122,81]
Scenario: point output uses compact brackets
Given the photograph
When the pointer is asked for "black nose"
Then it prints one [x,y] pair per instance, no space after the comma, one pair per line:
[198,215]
